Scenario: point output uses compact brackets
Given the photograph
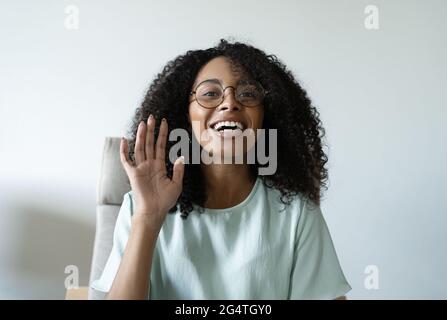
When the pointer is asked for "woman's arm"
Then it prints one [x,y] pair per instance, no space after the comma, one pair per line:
[133,277]
[155,193]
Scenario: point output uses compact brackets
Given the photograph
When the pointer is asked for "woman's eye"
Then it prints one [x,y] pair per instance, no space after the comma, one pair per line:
[247,95]
[210,94]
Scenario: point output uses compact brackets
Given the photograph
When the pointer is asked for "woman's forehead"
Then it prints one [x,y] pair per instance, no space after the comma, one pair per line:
[221,69]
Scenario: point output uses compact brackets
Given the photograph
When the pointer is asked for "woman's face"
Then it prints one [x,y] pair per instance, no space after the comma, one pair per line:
[207,124]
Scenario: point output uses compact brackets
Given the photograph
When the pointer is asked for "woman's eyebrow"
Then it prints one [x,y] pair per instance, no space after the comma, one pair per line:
[211,79]
[217,80]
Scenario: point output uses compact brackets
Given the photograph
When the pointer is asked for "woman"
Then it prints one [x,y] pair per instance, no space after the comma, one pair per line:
[221,230]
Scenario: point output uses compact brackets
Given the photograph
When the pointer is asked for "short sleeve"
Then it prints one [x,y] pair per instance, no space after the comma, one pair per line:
[316,271]
[120,237]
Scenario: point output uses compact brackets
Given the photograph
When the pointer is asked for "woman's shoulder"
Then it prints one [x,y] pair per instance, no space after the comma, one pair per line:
[128,203]
[290,201]
[300,208]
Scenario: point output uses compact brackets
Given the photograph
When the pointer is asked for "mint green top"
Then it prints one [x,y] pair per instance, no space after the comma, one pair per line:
[258,249]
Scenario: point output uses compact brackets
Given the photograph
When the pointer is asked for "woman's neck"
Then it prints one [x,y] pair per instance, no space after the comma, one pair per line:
[227,185]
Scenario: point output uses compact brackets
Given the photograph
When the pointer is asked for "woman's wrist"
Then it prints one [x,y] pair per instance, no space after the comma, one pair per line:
[151,221]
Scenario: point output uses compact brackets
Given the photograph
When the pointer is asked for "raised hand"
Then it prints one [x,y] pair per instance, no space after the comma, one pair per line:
[154,192]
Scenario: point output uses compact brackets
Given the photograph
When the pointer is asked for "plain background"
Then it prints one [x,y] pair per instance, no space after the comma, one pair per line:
[381,94]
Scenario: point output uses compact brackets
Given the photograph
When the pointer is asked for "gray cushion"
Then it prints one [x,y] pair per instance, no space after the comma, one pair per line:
[112,185]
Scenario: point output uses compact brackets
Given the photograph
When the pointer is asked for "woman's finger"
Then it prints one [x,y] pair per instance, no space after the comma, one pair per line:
[150,137]
[124,155]
[161,140]
[140,143]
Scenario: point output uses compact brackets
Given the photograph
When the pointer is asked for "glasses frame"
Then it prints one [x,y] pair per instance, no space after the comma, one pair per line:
[264,92]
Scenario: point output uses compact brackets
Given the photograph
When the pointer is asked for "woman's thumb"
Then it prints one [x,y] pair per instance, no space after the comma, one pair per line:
[179,170]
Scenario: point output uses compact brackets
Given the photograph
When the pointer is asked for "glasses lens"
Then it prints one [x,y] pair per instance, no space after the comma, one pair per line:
[250,93]
[209,94]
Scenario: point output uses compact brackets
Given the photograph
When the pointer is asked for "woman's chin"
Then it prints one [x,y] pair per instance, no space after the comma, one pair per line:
[226,156]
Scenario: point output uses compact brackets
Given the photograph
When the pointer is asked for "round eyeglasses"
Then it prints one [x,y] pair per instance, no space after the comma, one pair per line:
[210,93]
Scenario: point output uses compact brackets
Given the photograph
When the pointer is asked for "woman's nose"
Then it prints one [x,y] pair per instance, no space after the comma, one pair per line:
[229,102]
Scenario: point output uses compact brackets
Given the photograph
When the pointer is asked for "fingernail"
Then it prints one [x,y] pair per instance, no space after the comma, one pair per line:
[182,159]
[164,120]
[151,116]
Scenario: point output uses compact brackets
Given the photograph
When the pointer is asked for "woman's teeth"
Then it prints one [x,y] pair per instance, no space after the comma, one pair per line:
[228,125]
[228,129]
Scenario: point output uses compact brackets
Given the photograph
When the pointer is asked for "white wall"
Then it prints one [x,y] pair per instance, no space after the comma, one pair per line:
[381,94]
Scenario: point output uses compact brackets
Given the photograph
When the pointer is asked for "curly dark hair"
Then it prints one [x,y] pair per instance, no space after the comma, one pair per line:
[301,160]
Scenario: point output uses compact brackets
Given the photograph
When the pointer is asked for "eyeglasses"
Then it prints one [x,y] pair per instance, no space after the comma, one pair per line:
[210,93]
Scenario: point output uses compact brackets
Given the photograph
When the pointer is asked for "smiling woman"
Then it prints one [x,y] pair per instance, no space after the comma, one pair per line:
[231,233]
